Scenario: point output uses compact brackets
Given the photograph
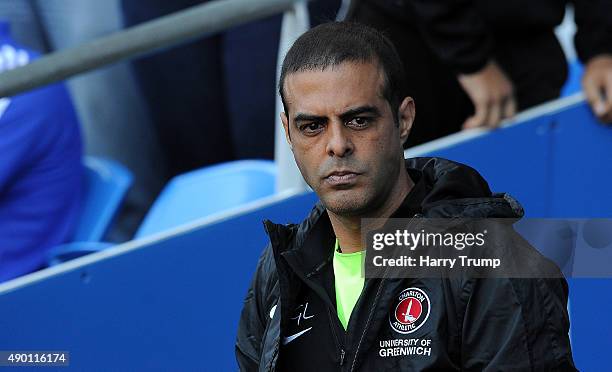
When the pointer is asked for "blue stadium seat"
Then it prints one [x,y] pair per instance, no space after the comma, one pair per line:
[187,197]
[107,183]
[207,191]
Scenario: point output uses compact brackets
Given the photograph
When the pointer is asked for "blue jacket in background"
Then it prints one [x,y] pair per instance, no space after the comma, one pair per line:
[41,172]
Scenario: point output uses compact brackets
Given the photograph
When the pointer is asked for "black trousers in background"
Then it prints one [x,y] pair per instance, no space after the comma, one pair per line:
[533,61]
[213,100]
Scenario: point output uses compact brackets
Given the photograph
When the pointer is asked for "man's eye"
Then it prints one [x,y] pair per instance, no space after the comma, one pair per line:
[311,128]
[359,122]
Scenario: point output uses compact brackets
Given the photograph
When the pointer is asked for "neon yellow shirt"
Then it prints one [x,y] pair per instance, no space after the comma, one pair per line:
[348,282]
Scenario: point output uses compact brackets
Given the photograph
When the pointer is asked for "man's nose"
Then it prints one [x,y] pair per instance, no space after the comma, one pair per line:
[339,142]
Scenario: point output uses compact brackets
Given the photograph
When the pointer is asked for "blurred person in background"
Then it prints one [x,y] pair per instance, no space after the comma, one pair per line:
[213,100]
[41,172]
[113,116]
[485,60]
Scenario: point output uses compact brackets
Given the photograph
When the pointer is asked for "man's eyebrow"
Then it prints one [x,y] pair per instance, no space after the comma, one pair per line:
[372,110]
[308,117]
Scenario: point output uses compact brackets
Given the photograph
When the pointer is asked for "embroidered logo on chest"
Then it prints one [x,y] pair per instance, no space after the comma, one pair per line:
[409,311]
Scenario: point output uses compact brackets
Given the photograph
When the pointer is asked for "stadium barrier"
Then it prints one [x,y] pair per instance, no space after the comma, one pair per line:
[180,27]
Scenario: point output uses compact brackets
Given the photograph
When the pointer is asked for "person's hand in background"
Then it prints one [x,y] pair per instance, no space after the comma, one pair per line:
[597,84]
[491,93]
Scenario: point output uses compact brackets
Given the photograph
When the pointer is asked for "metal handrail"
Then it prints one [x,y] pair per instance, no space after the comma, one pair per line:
[163,32]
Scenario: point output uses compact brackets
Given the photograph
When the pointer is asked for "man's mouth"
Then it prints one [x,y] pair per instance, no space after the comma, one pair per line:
[342,178]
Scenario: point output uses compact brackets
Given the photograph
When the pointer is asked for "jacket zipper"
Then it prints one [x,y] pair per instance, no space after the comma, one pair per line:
[339,345]
[365,329]
[372,309]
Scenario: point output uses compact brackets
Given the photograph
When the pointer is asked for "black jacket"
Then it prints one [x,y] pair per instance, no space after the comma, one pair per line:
[289,320]
[463,33]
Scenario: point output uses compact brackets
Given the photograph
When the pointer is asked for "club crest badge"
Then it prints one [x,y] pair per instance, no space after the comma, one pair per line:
[409,311]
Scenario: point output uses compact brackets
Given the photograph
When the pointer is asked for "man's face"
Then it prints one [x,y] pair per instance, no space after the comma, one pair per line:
[343,136]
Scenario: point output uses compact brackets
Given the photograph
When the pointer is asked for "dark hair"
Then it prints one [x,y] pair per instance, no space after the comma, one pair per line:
[333,43]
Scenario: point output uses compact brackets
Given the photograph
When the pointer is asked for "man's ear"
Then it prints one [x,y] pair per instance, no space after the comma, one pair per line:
[285,121]
[405,116]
